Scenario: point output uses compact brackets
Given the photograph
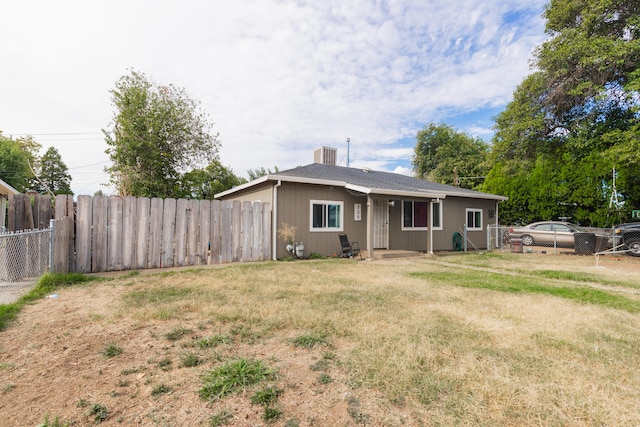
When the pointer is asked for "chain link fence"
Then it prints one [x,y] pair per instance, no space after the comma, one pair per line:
[586,242]
[24,257]
[498,238]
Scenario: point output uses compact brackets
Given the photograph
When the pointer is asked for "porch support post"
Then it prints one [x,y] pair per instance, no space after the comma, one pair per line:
[369,227]
[430,223]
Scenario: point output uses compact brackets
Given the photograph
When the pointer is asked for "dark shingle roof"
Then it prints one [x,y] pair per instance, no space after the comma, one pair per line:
[378,180]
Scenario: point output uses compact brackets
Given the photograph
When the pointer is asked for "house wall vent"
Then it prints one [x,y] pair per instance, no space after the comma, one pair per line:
[325,156]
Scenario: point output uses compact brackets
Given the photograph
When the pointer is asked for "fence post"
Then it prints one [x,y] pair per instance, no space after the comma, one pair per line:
[51,245]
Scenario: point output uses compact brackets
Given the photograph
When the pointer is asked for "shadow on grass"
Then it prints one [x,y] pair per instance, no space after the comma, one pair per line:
[522,284]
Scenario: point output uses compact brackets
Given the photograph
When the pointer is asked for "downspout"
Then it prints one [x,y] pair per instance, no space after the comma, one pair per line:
[274,231]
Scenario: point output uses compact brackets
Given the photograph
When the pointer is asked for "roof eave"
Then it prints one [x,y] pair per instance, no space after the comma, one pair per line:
[433,194]
[6,189]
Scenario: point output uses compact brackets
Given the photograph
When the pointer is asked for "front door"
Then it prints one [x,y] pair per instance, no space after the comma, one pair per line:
[380,224]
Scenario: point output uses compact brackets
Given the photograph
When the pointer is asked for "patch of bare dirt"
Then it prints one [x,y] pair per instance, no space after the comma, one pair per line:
[51,365]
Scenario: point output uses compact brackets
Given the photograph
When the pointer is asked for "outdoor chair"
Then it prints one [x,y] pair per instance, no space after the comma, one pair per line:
[349,249]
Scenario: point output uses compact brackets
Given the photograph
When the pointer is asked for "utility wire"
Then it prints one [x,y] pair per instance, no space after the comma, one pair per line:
[54,133]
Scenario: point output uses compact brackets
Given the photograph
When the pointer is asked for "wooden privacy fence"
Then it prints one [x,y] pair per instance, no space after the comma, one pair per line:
[115,233]
[30,211]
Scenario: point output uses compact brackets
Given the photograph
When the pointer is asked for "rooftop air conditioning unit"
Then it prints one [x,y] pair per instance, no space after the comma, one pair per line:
[325,156]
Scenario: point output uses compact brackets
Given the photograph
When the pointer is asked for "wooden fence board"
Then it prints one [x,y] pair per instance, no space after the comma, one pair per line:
[204,231]
[65,207]
[182,211]
[83,234]
[129,209]
[28,209]
[236,229]
[99,234]
[11,212]
[61,207]
[61,261]
[193,218]
[215,236]
[115,235]
[226,236]
[266,231]
[17,213]
[246,231]
[43,209]
[168,232]
[155,233]
[256,236]
[142,229]
[62,232]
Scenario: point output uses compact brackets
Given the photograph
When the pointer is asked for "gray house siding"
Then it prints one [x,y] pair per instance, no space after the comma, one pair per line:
[399,239]
[262,194]
[294,202]
[454,220]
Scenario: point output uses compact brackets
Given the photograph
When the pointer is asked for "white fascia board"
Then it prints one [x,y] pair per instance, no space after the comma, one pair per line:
[6,189]
[283,178]
[301,180]
[404,193]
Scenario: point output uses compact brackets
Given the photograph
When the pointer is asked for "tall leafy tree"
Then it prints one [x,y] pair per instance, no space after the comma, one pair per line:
[52,174]
[205,183]
[17,157]
[258,173]
[158,133]
[575,119]
[447,156]
[592,54]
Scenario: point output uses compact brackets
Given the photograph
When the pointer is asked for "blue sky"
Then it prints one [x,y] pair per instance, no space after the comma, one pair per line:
[278,78]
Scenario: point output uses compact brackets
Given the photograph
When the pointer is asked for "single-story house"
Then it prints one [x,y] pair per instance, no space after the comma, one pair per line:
[379,210]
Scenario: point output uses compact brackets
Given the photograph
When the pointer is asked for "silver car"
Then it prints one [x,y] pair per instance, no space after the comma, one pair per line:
[546,232]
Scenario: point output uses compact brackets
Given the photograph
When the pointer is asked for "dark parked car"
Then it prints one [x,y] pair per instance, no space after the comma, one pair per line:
[628,235]
[544,233]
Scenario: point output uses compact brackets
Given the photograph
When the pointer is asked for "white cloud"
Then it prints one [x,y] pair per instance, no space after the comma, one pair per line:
[279,78]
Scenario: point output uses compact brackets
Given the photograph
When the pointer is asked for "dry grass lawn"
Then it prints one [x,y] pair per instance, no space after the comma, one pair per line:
[468,340]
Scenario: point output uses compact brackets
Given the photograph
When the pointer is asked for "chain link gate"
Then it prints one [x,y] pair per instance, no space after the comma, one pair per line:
[24,257]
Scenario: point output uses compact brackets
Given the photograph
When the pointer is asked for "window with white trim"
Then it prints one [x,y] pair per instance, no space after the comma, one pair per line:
[436,215]
[415,215]
[474,219]
[326,215]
